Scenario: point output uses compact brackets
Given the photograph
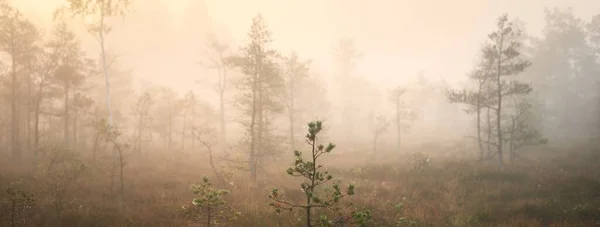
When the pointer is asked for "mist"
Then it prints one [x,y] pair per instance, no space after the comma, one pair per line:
[108,107]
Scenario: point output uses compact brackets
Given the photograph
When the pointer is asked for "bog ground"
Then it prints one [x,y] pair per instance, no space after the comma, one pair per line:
[553,186]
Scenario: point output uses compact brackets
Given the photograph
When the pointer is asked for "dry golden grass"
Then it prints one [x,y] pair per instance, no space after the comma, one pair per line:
[554,187]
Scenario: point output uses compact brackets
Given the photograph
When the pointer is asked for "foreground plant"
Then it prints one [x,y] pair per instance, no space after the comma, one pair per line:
[209,205]
[313,179]
[18,203]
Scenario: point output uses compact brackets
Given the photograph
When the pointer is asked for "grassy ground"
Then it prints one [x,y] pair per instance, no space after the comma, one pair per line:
[553,187]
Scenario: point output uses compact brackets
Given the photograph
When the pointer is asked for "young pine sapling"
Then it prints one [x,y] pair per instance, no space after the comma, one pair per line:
[209,205]
[310,170]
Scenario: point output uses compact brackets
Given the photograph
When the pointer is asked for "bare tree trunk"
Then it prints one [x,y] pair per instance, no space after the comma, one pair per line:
[193,140]
[66,113]
[121,166]
[36,128]
[105,66]
[511,141]
[489,132]
[222,116]
[15,143]
[222,87]
[478,109]
[479,142]
[252,156]
[28,124]
[499,108]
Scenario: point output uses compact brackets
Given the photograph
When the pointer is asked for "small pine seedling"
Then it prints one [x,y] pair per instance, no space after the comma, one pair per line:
[314,177]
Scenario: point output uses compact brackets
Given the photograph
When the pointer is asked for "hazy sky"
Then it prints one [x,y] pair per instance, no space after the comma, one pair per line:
[397,37]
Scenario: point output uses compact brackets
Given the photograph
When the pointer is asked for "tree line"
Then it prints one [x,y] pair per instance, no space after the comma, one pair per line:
[524,90]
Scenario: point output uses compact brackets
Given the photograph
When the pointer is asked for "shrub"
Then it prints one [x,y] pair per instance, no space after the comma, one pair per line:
[209,205]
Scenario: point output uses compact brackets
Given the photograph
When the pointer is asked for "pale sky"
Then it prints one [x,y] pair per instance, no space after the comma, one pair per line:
[397,37]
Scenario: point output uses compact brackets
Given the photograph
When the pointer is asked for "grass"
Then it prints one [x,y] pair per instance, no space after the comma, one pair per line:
[558,188]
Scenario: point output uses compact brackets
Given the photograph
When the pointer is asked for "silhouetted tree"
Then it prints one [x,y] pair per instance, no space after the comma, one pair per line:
[260,91]
[218,60]
[17,36]
[503,54]
[101,11]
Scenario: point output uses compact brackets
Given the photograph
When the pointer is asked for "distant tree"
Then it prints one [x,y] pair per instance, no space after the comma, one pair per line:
[112,135]
[17,36]
[260,92]
[346,56]
[203,135]
[379,125]
[594,35]
[565,76]
[168,108]
[218,60]
[189,106]
[81,108]
[476,100]
[142,112]
[70,73]
[520,130]
[403,114]
[100,11]
[503,53]
[294,72]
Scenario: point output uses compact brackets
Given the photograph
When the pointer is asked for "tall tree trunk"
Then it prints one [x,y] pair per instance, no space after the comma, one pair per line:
[499,107]
[105,66]
[511,140]
[66,113]
[15,143]
[36,130]
[252,156]
[36,127]
[74,130]
[222,120]
[260,146]
[479,142]
[489,131]
[192,134]
[222,87]
[478,109]
[28,124]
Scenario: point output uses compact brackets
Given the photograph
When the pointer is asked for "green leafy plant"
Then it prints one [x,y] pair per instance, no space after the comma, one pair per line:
[209,205]
[310,170]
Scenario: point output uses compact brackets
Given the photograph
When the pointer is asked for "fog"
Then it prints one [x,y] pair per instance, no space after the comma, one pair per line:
[396,84]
